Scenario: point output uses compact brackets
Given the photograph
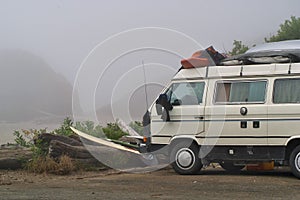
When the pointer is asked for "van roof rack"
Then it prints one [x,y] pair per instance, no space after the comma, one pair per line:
[264,57]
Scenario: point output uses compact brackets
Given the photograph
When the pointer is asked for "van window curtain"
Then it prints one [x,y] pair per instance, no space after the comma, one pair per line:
[257,91]
[287,91]
[248,91]
[239,92]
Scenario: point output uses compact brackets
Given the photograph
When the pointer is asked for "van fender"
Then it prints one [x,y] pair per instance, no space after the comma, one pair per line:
[292,138]
[183,137]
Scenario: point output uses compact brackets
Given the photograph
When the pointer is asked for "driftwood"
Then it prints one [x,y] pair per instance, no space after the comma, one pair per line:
[14,158]
[89,155]
[58,148]
[47,138]
[78,154]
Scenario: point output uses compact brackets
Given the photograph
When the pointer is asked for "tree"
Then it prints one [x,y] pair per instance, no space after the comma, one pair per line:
[238,48]
[289,30]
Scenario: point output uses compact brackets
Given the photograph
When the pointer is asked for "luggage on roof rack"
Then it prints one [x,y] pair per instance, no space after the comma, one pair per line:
[203,58]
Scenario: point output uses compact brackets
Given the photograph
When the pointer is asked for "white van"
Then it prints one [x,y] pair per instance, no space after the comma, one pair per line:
[246,110]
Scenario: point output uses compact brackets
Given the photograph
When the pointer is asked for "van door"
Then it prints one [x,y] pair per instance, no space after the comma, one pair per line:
[187,115]
[244,120]
[284,113]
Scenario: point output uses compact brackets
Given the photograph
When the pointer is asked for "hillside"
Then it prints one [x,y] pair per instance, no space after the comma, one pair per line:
[30,89]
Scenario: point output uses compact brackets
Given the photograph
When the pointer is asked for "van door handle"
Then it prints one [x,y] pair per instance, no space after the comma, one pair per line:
[199,117]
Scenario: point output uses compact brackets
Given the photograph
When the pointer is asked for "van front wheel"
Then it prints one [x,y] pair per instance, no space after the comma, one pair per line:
[184,158]
[295,161]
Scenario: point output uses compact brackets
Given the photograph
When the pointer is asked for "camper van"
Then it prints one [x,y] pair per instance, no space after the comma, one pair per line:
[245,110]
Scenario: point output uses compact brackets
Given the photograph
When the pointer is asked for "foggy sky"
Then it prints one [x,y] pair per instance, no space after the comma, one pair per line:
[63,32]
[60,34]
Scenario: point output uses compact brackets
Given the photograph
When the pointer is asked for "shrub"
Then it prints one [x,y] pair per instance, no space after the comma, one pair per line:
[62,166]
[65,129]
[30,139]
[90,128]
[65,165]
[113,131]
[20,140]
[42,165]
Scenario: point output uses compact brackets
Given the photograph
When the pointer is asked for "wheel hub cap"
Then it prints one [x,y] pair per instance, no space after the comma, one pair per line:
[185,158]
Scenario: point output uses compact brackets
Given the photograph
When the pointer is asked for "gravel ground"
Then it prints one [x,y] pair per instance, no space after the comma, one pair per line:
[211,183]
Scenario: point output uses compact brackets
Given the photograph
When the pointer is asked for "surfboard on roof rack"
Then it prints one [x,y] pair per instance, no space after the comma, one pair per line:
[264,57]
[275,52]
[273,46]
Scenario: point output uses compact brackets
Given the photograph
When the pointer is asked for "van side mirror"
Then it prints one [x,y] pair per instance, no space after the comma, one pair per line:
[162,102]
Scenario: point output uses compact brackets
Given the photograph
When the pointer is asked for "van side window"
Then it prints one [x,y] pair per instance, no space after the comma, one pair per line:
[286,91]
[186,93]
[241,92]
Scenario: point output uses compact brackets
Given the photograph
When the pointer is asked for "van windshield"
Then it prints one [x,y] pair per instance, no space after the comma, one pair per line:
[186,93]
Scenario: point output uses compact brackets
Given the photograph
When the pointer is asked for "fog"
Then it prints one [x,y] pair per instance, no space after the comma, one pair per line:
[32,94]
[45,45]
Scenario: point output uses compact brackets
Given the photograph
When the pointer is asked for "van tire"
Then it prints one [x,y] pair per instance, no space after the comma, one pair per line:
[230,167]
[184,158]
[295,161]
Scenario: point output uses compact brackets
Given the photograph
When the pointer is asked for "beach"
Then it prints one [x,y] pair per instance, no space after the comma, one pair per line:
[211,183]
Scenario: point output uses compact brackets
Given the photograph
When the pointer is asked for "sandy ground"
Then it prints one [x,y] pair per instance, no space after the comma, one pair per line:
[164,184]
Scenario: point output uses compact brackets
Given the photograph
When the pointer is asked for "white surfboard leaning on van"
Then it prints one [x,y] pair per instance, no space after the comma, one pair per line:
[245,110]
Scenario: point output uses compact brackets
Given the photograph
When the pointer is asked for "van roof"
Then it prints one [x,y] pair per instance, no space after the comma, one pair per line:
[268,59]
[259,70]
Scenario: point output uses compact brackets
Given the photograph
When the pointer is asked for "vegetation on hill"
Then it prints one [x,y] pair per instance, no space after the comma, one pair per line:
[289,30]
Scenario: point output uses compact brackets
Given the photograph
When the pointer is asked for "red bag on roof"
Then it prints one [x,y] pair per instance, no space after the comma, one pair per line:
[203,58]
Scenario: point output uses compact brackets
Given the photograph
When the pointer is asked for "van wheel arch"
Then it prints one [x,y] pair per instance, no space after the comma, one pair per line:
[174,142]
[181,140]
[290,147]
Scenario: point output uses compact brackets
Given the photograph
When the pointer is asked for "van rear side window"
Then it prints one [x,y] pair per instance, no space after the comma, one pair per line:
[286,91]
[240,92]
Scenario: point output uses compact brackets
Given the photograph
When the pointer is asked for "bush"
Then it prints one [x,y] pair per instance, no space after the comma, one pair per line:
[110,131]
[41,162]
[20,140]
[113,131]
[62,166]
[65,129]
[30,139]
[65,165]
[41,165]
[90,128]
